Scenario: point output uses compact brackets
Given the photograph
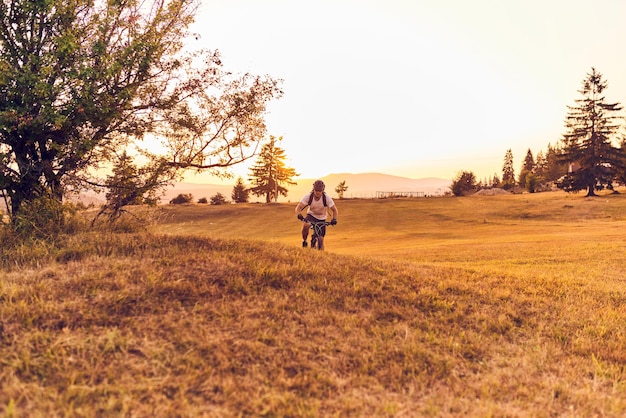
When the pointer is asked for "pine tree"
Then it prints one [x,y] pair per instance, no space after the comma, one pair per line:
[540,166]
[527,168]
[495,180]
[508,172]
[240,194]
[123,184]
[529,161]
[554,167]
[270,172]
[128,185]
[588,143]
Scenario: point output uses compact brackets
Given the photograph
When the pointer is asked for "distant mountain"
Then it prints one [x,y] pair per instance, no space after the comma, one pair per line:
[363,185]
[368,184]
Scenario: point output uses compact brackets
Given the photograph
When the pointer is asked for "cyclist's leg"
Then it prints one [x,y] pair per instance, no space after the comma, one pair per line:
[305,232]
[308,223]
[321,233]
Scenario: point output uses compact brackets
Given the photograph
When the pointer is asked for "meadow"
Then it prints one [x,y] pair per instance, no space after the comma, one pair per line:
[501,306]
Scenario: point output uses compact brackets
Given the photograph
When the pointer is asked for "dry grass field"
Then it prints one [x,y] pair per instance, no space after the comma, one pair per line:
[501,306]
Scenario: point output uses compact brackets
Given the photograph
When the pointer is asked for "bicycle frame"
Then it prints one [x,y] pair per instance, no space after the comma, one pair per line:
[317,229]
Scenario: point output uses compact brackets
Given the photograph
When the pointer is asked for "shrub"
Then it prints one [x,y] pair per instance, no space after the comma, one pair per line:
[45,218]
[37,230]
[181,199]
[464,184]
[218,199]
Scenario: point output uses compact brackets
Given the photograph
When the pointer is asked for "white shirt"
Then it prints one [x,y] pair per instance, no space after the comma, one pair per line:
[317,209]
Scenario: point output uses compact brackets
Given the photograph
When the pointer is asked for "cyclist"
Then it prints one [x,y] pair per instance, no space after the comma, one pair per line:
[319,203]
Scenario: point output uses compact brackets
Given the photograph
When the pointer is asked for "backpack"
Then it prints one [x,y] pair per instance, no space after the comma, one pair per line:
[323,199]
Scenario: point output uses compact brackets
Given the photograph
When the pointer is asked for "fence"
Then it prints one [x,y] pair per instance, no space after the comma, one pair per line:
[387,195]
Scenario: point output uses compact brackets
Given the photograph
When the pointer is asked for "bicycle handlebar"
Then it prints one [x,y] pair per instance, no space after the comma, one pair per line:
[327,223]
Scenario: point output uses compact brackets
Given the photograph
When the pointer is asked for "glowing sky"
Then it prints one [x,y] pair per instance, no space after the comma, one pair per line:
[419,88]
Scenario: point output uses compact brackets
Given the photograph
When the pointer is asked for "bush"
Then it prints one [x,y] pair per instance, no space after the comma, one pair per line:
[181,199]
[203,200]
[37,230]
[218,199]
[45,218]
[464,184]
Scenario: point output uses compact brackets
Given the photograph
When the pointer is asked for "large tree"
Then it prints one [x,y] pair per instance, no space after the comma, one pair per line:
[270,173]
[81,80]
[592,125]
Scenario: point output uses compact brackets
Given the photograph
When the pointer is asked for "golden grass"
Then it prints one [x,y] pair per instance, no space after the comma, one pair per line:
[480,306]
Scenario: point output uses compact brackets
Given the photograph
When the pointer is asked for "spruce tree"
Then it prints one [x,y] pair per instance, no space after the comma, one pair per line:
[270,172]
[508,172]
[554,167]
[528,167]
[240,193]
[594,162]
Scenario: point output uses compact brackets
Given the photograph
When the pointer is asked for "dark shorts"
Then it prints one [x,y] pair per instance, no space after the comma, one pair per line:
[320,228]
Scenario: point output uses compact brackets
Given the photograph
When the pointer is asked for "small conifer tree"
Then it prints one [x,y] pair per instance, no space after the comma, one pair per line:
[240,194]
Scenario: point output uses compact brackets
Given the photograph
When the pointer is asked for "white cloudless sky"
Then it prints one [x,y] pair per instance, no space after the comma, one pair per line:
[418,88]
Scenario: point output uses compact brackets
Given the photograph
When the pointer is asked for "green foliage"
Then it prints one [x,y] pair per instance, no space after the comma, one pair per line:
[79,79]
[464,184]
[45,218]
[529,161]
[592,125]
[530,182]
[71,84]
[528,167]
[36,232]
[123,186]
[182,198]
[270,173]
[547,169]
[129,185]
[523,175]
[240,194]
[218,199]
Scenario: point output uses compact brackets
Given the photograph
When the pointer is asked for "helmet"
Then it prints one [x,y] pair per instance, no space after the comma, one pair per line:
[319,185]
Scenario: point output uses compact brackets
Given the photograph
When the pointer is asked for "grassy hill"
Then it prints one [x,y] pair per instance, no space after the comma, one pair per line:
[479,306]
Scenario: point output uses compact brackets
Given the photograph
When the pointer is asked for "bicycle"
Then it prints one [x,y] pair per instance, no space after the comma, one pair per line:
[317,231]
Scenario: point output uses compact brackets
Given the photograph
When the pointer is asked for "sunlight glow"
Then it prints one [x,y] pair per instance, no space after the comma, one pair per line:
[423,88]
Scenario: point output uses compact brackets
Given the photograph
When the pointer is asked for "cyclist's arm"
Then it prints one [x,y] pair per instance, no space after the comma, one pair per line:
[335,212]
[299,207]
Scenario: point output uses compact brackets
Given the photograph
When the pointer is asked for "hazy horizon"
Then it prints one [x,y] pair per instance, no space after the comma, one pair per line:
[423,88]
